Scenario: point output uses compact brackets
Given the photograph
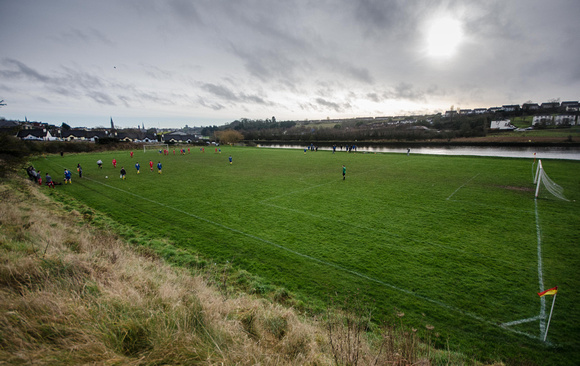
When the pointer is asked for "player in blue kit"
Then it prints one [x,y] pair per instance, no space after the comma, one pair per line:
[138,167]
[67,176]
[159,167]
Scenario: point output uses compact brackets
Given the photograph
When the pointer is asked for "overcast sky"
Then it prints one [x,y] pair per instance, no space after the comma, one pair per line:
[169,63]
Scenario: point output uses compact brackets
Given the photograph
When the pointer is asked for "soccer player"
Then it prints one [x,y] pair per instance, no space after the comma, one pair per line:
[131,154]
[343,172]
[138,167]
[100,163]
[230,160]
[114,163]
[159,167]
[80,169]
[123,172]
[67,176]
[49,181]
[151,165]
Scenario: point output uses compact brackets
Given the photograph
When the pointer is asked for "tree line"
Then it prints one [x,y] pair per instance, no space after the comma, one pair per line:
[436,127]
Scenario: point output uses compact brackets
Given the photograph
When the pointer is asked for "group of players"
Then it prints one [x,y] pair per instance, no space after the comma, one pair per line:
[123,172]
[36,177]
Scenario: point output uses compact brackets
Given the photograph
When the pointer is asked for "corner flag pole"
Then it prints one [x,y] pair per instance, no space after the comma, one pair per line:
[550,291]
[550,318]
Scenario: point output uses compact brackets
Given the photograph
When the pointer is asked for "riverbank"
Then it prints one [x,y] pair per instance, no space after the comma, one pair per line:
[497,141]
[531,150]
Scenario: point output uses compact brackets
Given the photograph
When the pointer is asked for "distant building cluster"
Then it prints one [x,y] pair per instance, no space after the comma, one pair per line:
[533,108]
[545,114]
[39,131]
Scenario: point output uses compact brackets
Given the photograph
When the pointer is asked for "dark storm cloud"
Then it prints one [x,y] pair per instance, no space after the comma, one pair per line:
[213,106]
[64,83]
[101,98]
[221,92]
[378,17]
[69,82]
[405,91]
[22,72]
[336,107]
[227,94]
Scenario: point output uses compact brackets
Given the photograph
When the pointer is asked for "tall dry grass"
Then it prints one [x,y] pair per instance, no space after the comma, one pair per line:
[71,293]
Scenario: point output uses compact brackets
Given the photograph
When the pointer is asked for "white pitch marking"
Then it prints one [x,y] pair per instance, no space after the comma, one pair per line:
[521,321]
[540,272]
[464,184]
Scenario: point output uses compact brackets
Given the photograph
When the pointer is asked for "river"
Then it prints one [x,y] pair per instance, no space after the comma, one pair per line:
[566,153]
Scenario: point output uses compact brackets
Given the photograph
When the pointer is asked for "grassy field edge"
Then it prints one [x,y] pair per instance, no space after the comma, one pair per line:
[74,291]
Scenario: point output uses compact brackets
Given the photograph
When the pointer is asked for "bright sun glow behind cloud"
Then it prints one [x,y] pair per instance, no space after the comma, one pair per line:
[444,35]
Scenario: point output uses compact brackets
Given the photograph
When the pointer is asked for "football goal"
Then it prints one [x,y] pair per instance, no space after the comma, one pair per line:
[542,180]
[155,147]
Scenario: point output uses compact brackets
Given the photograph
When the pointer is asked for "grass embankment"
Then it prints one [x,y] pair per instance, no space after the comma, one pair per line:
[72,292]
[452,242]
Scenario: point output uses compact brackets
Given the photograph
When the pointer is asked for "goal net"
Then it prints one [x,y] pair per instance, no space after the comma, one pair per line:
[155,147]
[543,181]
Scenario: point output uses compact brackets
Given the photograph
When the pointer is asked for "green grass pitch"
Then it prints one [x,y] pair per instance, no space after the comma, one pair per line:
[454,242]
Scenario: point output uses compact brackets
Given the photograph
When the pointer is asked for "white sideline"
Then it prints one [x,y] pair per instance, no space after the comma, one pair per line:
[521,321]
[540,272]
[542,316]
[344,269]
[464,184]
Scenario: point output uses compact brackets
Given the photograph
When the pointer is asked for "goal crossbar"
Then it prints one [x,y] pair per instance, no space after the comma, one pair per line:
[155,147]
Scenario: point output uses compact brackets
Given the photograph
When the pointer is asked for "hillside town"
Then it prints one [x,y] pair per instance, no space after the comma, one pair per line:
[548,114]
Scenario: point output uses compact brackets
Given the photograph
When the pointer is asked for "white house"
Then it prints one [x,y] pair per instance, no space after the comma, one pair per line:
[36,134]
[504,124]
[542,119]
[565,119]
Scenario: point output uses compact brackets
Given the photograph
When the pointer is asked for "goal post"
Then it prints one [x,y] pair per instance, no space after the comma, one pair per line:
[149,147]
[541,179]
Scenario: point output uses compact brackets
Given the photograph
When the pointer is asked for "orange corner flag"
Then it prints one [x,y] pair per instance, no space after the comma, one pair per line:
[551,291]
